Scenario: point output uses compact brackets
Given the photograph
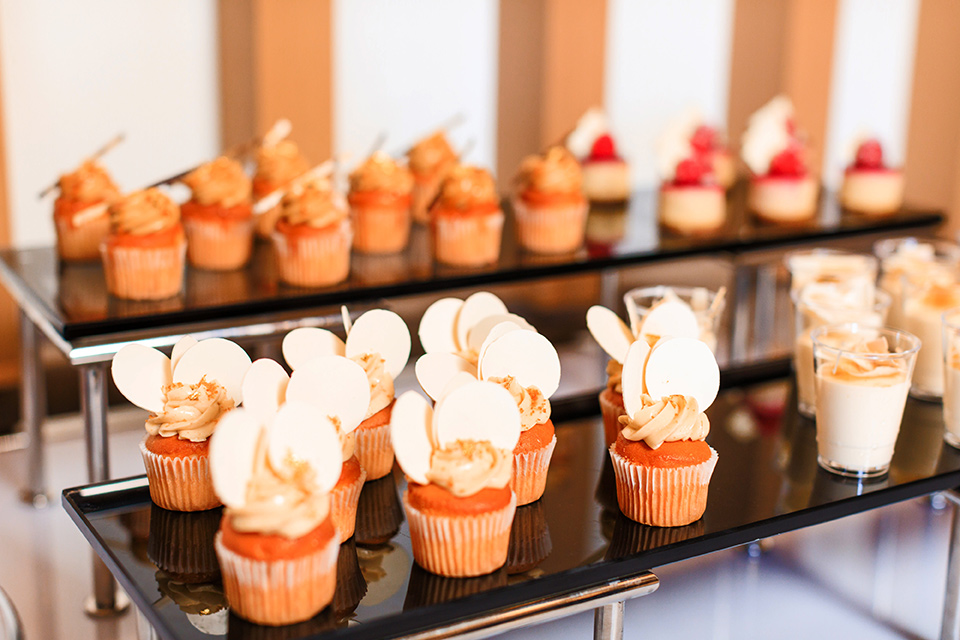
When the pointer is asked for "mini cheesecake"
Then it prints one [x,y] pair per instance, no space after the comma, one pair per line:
[869,186]
[606,176]
[787,193]
[692,203]
[707,143]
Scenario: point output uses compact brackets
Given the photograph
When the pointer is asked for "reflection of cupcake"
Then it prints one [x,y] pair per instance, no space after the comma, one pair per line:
[312,237]
[351,586]
[138,524]
[530,542]
[631,538]
[240,629]
[466,219]
[181,544]
[426,588]
[430,160]
[277,165]
[80,211]
[379,514]
[550,207]
[218,218]
[380,196]
[205,605]
[143,254]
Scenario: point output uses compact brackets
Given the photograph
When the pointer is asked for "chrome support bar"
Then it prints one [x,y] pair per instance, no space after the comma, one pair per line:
[33,410]
[950,629]
[10,625]
[608,621]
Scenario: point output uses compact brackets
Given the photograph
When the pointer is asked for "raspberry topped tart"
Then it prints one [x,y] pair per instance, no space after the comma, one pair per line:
[606,175]
[80,211]
[691,200]
[869,185]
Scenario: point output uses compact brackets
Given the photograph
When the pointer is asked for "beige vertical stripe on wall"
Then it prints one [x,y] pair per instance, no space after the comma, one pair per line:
[9,345]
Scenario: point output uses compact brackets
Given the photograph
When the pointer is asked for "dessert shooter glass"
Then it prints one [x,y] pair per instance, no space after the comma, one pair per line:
[811,315]
[923,306]
[912,260]
[706,305]
[830,265]
[860,397]
[951,377]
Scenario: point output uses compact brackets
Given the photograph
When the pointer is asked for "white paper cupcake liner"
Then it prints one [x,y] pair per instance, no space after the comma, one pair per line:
[144,273]
[611,412]
[343,505]
[317,260]
[460,546]
[282,591]
[530,473]
[375,450]
[82,242]
[179,483]
[218,245]
[468,241]
[551,229]
[662,497]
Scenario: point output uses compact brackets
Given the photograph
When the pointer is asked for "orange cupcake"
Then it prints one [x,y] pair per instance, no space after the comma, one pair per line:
[277,165]
[313,236]
[144,252]
[80,211]
[611,403]
[550,207]
[466,219]
[345,495]
[380,198]
[430,160]
[218,218]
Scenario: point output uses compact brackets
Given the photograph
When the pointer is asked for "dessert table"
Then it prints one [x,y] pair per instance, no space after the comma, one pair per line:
[570,551]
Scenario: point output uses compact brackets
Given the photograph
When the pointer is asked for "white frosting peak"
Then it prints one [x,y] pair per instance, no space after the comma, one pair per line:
[590,126]
[767,134]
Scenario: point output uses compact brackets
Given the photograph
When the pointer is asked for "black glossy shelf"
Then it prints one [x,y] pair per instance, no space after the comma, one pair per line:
[767,482]
[74,300]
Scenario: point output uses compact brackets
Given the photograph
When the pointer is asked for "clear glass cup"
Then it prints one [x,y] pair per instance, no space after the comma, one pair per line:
[830,265]
[814,312]
[911,261]
[951,377]
[862,385]
[923,307]
[707,305]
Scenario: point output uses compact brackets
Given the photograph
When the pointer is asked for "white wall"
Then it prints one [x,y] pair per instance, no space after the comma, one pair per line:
[663,57]
[872,79]
[405,66]
[76,73]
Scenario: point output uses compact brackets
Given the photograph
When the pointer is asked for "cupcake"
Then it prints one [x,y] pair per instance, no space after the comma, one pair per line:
[430,160]
[380,199]
[466,220]
[278,163]
[550,207]
[782,191]
[277,545]
[313,236]
[606,176]
[187,395]
[379,342]
[661,462]
[869,186]
[218,218]
[144,252]
[80,211]
[458,461]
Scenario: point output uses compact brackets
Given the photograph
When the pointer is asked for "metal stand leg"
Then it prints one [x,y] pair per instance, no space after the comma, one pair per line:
[951,602]
[106,599]
[33,409]
[608,622]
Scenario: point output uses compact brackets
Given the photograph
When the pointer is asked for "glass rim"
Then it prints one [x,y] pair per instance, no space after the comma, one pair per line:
[790,256]
[880,250]
[879,295]
[854,327]
[944,318]
[678,289]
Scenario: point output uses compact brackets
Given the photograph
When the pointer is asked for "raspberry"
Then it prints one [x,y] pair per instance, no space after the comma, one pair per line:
[704,139]
[788,163]
[689,172]
[869,155]
[603,148]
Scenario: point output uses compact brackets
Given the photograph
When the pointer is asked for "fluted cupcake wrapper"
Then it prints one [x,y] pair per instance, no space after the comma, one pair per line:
[379,514]
[316,260]
[380,229]
[181,544]
[375,450]
[468,241]
[282,591]
[343,505]
[179,483]
[143,273]
[81,242]
[425,588]
[611,413]
[530,473]
[218,245]
[460,546]
[551,229]
[351,587]
[662,497]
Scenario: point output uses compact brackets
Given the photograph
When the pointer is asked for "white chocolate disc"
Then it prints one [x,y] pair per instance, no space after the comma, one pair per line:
[264,389]
[303,344]
[410,425]
[496,332]
[232,455]
[475,308]
[479,332]
[436,370]
[438,326]
[384,332]
[670,318]
[336,386]
[140,373]
[478,411]
[610,332]
[457,381]
[299,436]
[345,316]
[527,356]
[221,361]
[683,366]
[183,344]
[631,381]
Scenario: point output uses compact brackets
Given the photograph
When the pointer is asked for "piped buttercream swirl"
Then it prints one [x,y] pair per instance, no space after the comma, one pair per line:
[381,382]
[431,154]
[466,467]
[89,183]
[315,205]
[534,407]
[143,212]
[190,412]
[221,182]
[280,163]
[556,171]
[466,188]
[669,419]
[380,172]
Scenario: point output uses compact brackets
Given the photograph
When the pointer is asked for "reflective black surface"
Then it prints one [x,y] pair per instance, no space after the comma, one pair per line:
[74,299]
[767,482]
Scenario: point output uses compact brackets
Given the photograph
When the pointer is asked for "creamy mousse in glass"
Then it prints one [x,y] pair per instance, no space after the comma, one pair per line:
[911,261]
[707,306]
[862,379]
[951,377]
[831,265]
[923,308]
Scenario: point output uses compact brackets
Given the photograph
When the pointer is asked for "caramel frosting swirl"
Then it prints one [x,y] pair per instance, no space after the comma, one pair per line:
[466,466]
[380,172]
[315,205]
[381,382]
[89,183]
[556,171]
[190,412]
[533,405]
[280,163]
[283,502]
[872,371]
[669,419]
[221,182]
[431,154]
[614,376]
[143,212]
[467,187]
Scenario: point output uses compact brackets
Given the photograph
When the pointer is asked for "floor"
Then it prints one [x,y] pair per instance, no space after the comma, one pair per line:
[878,575]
